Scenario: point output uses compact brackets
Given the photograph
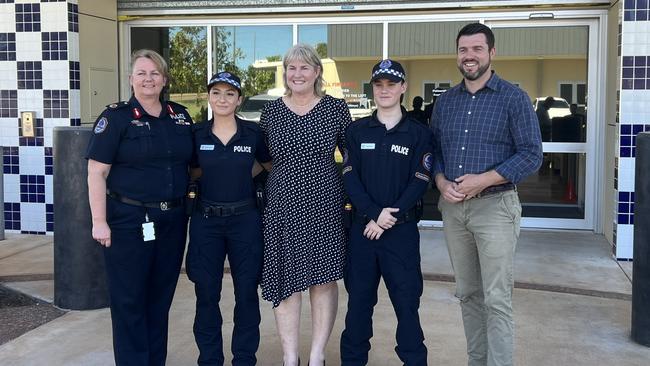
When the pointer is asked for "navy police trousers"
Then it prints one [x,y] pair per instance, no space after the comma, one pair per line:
[142,278]
[211,240]
[395,257]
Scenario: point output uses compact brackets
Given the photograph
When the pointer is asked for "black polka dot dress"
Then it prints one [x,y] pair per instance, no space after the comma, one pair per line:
[304,239]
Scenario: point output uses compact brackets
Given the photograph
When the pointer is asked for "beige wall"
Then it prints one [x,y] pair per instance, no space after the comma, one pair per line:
[98,56]
[609,164]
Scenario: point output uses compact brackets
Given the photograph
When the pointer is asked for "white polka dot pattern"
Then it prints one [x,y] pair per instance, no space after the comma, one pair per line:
[304,240]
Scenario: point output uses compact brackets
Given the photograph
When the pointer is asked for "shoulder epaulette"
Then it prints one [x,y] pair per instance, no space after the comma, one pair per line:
[174,104]
[117,105]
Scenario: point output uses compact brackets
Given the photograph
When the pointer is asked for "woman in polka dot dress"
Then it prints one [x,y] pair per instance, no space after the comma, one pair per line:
[304,240]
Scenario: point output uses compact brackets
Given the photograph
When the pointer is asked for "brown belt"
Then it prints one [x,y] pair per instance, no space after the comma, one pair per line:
[496,189]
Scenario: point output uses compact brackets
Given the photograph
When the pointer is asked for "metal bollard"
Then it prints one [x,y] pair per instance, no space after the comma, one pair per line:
[79,271]
[641,259]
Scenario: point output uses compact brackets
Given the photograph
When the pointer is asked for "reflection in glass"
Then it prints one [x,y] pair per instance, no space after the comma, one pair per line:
[184,49]
[558,188]
[252,52]
[348,53]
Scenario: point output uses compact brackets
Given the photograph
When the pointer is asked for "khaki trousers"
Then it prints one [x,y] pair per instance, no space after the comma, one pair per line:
[481,235]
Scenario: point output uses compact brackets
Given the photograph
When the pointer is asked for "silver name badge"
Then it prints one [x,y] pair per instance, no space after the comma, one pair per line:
[207,147]
[148,231]
[368,146]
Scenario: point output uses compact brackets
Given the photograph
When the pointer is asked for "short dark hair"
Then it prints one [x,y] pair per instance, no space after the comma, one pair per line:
[476,28]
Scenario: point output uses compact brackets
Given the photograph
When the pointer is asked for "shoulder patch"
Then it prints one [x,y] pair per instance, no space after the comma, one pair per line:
[101,125]
[427,161]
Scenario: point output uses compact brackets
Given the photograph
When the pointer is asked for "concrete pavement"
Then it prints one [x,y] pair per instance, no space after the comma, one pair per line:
[572,307]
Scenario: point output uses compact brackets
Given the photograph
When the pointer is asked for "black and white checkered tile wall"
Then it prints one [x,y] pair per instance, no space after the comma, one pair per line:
[633,115]
[39,72]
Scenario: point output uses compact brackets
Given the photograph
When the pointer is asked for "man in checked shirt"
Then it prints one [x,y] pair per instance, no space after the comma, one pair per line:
[486,140]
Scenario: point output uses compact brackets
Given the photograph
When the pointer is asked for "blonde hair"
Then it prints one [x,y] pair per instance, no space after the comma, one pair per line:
[308,55]
[155,57]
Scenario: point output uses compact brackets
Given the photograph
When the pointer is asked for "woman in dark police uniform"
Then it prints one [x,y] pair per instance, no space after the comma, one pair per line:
[138,160]
[226,221]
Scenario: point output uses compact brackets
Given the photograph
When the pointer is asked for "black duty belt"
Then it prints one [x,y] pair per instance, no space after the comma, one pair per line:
[223,209]
[410,215]
[496,189]
[163,205]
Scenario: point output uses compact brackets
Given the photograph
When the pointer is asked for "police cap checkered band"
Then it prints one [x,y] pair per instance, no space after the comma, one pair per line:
[225,77]
[388,69]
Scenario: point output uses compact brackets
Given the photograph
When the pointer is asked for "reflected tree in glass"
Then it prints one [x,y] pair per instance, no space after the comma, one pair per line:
[188,68]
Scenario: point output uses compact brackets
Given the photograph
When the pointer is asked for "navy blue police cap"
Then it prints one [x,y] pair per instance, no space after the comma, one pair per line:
[225,77]
[388,69]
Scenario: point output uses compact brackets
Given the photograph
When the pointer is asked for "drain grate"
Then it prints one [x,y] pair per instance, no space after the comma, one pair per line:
[20,313]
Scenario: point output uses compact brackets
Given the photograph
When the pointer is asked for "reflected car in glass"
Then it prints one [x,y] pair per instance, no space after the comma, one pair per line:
[251,107]
[559,108]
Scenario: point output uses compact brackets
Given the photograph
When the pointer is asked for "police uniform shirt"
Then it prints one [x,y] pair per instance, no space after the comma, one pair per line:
[386,168]
[226,169]
[149,156]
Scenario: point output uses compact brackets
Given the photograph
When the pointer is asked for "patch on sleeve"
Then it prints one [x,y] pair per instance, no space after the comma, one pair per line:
[101,125]
[424,177]
[427,161]
[347,169]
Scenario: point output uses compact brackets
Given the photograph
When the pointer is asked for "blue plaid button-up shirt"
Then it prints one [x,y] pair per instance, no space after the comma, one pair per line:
[496,128]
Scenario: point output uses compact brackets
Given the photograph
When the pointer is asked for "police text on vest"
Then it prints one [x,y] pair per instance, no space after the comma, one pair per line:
[246,149]
[399,149]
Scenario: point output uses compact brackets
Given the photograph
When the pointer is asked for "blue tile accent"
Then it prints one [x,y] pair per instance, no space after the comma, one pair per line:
[37,140]
[55,103]
[28,17]
[75,121]
[32,188]
[75,75]
[12,215]
[626,129]
[623,219]
[10,159]
[49,161]
[49,217]
[7,46]
[30,74]
[625,152]
[623,196]
[55,45]
[8,103]
[73,18]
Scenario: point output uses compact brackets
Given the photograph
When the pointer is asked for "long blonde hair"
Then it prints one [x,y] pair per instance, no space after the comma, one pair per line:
[308,55]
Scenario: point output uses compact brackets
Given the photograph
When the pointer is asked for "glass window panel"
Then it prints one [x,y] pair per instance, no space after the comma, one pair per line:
[254,53]
[581,94]
[557,190]
[348,53]
[566,92]
[185,50]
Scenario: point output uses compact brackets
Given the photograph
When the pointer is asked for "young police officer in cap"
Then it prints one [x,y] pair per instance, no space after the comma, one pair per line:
[226,222]
[386,171]
[138,160]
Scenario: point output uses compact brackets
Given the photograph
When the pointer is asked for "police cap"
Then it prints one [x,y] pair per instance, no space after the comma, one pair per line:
[388,69]
[225,77]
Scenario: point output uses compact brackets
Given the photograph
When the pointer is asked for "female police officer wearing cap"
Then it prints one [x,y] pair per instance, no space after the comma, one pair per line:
[138,160]
[226,222]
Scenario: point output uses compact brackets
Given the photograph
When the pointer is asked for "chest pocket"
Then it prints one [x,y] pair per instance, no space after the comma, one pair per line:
[140,139]
[183,129]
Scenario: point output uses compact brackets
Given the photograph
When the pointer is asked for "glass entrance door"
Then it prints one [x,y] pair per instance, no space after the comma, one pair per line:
[554,62]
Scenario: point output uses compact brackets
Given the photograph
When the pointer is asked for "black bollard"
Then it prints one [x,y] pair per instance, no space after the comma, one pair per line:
[641,259]
[79,274]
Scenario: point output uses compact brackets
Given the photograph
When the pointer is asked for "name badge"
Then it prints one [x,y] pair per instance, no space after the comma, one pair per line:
[207,147]
[148,231]
[368,146]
